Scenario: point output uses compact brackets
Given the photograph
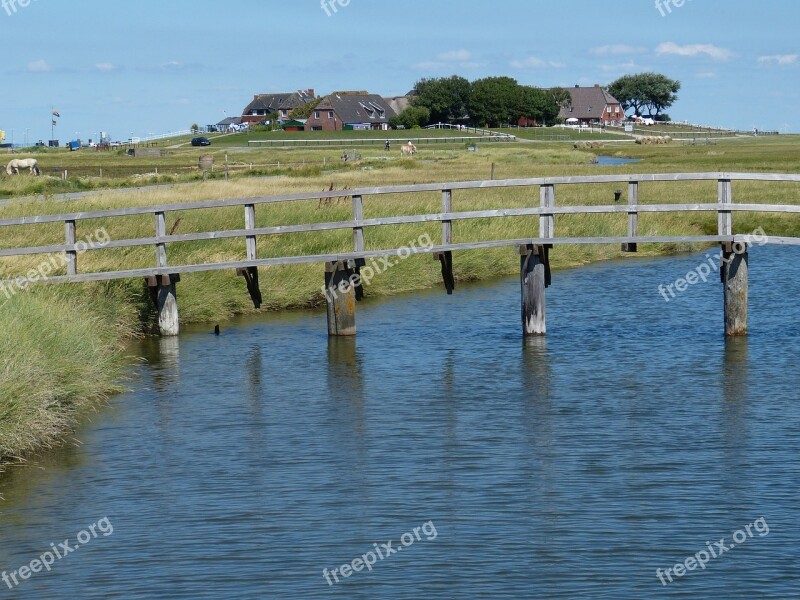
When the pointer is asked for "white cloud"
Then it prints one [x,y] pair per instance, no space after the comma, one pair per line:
[449,60]
[39,66]
[455,55]
[105,67]
[779,59]
[616,50]
[534,62]
[706,75]
[673,49]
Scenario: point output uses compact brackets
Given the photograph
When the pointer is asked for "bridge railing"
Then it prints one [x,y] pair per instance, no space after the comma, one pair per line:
[546,211]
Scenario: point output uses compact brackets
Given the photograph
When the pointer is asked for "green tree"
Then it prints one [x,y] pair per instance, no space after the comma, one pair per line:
[413,116]
[446,98]
[195,127]
[495,101]
[651,91]
[304,110]
[535,103]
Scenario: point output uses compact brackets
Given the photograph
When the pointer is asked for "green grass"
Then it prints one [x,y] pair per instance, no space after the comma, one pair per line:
[61,352]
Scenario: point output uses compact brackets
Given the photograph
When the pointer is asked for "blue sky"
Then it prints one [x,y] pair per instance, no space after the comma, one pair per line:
[158,66]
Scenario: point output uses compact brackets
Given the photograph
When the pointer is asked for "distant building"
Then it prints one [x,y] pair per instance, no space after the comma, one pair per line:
[592,106]
[350,110]
[228,124]
[266,107]
[398,103]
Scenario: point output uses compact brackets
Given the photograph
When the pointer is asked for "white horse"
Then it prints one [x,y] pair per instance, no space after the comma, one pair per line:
[23,163]
[408,149]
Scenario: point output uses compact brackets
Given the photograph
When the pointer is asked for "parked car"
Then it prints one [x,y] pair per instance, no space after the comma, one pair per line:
[201,141]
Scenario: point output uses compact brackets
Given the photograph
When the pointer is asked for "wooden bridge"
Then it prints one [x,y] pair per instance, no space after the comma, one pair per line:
[342,269]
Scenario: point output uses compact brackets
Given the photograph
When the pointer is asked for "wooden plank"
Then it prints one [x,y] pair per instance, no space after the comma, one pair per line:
[72,255]
[320,258]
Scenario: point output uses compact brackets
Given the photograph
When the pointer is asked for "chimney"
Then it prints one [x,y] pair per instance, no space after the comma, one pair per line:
[577,86]
[311,92]
[596,85]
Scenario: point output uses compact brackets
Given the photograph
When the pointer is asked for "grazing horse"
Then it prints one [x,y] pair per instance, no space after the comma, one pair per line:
[408,149]
[23,163]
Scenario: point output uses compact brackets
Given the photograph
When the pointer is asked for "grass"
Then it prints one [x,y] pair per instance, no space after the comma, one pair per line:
[61,354]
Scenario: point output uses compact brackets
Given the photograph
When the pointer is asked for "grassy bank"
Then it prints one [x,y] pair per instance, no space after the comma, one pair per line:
[61,354]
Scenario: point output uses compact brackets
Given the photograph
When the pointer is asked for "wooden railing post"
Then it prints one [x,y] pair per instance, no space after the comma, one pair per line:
[161,232]
[725,196]
[250,274]
[249,224]
[446,257]
[547,221]
[633,216]
[535,269]
[72,255]
[734,266]
[358,216]
[162,286]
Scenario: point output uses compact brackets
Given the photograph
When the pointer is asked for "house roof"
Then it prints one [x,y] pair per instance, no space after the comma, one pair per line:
[358,107]
[280,101]
[230,121]
[399,103]
[587,103]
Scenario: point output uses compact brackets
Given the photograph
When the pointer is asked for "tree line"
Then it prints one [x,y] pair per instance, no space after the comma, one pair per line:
[496,101]
[492,101]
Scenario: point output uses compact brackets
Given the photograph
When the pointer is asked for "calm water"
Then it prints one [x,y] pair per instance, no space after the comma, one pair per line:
[614,161]
[571,467]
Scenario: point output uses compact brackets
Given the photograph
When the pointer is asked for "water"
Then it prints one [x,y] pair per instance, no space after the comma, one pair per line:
[614,161]
[572,467]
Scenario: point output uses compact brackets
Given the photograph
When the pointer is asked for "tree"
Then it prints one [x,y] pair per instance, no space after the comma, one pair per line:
[538,104]
[446,98]
[195,127]
[304,110]
[494,101]
[413,116]
[652,91]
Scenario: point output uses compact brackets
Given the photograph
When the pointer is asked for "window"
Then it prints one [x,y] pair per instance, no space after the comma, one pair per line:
[330,114]
[316,114]
[283,113]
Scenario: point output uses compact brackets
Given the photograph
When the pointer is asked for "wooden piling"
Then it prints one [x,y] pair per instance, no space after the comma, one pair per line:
[533,280]
[735,266]
[340,298]
[162,290]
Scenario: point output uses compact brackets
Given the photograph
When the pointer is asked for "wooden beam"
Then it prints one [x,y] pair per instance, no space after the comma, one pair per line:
[533,285]
[340,300]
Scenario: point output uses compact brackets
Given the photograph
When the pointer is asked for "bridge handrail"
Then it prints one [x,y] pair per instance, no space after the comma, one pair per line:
[546,212]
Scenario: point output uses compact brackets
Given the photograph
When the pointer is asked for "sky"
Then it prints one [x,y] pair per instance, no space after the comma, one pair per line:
[157,66]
